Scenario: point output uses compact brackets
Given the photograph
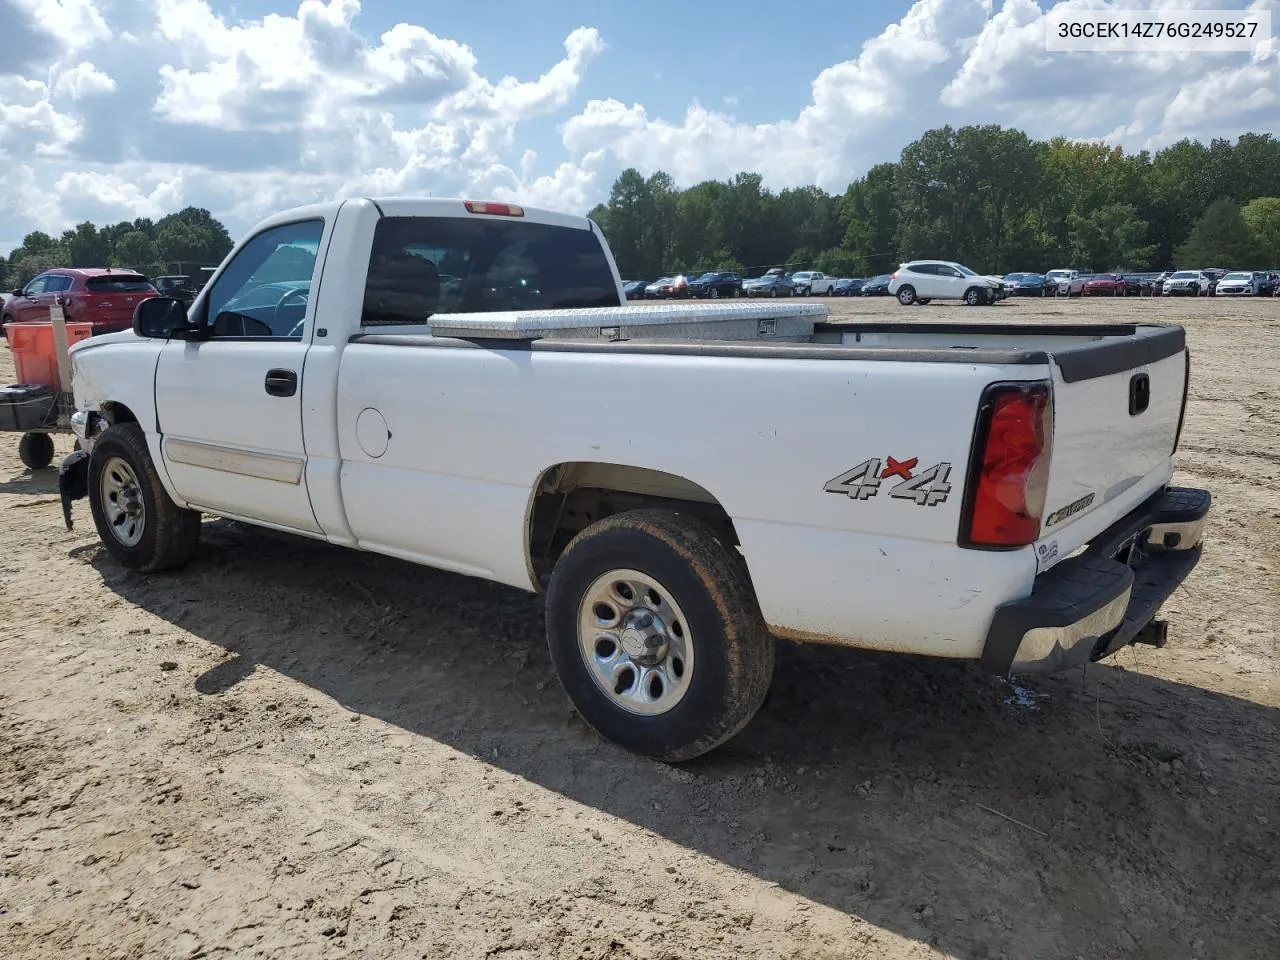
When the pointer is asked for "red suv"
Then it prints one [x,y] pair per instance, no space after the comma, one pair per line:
[103,297]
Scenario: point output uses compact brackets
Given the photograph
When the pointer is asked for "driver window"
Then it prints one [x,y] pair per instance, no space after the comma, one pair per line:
[264,291]
[35,287]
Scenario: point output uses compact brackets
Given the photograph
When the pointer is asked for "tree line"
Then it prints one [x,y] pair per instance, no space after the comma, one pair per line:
[178,243]
[988,196]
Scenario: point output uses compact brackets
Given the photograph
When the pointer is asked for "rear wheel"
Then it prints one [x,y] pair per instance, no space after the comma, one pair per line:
[138,522]
[923,300]
[35,450]
[656,635]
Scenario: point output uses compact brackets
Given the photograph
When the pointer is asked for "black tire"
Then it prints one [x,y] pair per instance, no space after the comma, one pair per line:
[35,450]
[168,533]
[907,295]
[973,296]
[715,293]
[732,650]
[924,300]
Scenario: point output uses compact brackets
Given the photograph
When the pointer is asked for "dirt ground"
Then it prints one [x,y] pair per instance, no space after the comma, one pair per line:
[291,750]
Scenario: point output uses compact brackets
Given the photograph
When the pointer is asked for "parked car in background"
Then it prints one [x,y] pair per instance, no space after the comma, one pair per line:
[1065,283]
[1026,284]
[1104,285]
[177,286]
[1139,284]
[1272,285]
[716,284]
[850,287]
[634,289]
[772,284]
[668,288]
[1214,274]
[102,297]
[813,283]
[919,281]
[877,286]
[1243,283]
[1186,283]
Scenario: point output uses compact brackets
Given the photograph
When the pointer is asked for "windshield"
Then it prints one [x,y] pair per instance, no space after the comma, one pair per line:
[1185,275]
[965,270]
[1238,276]
[709,276]
[1021,276]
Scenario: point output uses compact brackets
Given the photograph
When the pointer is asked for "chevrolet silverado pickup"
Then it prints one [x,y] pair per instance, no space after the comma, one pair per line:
[462,385]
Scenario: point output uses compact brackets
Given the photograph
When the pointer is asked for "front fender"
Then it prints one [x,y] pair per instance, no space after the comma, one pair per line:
[117,371]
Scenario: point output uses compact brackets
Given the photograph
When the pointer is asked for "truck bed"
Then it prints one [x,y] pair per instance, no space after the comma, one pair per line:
[1080,351]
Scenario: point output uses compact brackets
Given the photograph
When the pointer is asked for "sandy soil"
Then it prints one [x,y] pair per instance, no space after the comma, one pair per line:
[289,750]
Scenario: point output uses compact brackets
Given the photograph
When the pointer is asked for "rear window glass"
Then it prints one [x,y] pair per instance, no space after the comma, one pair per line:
[421,266]
[122,284]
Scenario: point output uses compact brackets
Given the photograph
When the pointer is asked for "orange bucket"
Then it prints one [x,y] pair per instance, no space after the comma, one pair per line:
[34,357]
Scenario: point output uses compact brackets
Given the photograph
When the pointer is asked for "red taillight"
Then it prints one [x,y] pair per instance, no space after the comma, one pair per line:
[1010,469]
[497,209]
[893,276]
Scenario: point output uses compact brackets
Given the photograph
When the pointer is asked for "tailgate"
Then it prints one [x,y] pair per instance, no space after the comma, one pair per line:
[1117,411]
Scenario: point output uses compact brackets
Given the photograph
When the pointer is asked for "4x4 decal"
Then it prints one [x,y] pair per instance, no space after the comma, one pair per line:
[926,489]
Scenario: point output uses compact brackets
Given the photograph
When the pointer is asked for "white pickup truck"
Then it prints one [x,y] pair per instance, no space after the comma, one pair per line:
[458,384]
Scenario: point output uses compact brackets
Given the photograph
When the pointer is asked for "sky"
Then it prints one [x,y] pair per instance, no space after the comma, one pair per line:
[116,109]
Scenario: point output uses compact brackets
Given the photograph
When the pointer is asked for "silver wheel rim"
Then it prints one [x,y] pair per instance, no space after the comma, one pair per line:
[635,642]
[122,502]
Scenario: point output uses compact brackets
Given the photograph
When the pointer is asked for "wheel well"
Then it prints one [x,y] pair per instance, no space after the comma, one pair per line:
[118,413]
[571,496]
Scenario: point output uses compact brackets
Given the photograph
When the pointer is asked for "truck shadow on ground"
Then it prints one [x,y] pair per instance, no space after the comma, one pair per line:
[876,785]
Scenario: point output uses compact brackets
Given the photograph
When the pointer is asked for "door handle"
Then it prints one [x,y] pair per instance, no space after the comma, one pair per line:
[282,383]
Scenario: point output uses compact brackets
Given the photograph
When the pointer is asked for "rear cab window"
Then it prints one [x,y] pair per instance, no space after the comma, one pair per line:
[422,266]
[118,284]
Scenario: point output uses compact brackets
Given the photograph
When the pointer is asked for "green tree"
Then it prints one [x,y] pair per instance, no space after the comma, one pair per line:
[31,266]
[85,246]
[191,235]
[1109,238]
[869,217]
[1263,217]
[1220,238]
[134,249]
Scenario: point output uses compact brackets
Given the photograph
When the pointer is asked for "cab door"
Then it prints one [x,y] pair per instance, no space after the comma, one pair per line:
[230,405]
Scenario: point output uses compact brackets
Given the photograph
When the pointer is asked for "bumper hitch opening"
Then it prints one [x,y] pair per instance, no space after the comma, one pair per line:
[1154,634]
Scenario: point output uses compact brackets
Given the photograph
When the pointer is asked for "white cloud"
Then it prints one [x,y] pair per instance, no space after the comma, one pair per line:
[83,80]
[246,116]
[29,124]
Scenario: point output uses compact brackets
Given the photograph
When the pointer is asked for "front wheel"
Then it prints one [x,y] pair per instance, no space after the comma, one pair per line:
[715,293]
[655,634]
[906,295]
[136,519]
[973,297]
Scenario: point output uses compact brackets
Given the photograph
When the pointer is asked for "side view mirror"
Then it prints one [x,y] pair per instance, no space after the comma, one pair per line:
[18,292]
[160,317]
